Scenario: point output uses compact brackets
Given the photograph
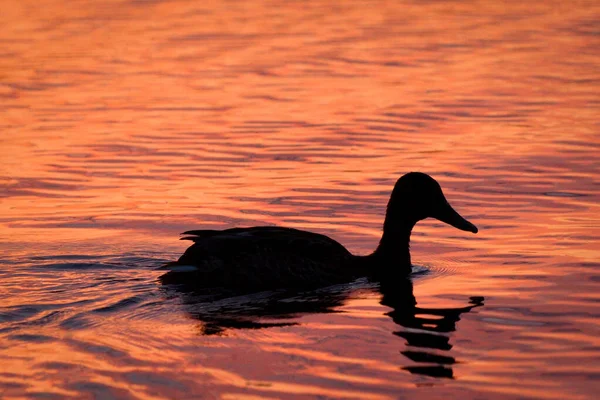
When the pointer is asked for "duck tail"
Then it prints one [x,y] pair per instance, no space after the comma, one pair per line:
[174,266]
[168,265]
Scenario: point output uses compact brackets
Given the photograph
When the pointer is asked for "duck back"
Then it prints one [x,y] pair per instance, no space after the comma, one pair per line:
[262,258]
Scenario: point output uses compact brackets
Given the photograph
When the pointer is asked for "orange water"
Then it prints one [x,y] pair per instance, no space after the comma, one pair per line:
[124,123]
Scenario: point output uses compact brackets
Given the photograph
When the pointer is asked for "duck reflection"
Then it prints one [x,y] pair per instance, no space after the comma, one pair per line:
[220,309]
[425,330]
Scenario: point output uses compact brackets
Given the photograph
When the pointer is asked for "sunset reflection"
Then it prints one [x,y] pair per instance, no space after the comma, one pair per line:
[125,123]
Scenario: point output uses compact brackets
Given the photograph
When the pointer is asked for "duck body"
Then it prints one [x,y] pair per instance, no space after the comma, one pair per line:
[264,257]
[268,257]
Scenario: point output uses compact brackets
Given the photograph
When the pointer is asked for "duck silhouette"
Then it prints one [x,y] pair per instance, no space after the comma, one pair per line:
[262,258]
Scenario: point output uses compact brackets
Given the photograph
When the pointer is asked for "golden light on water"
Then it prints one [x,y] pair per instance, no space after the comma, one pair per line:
[126,123]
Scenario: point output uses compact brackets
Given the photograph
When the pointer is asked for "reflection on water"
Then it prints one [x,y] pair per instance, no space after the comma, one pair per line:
[425,329]
[124,123]
[219,309]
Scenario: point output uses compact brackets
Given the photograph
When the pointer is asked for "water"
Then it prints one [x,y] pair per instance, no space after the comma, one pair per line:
[125,123]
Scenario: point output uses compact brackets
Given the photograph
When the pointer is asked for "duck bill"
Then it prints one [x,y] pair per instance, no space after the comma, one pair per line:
[451,217]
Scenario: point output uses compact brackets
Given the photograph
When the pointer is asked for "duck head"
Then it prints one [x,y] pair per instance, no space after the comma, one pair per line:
[417,196]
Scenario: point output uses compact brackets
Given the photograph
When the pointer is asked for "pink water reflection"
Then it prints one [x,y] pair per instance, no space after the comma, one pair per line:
[125,123]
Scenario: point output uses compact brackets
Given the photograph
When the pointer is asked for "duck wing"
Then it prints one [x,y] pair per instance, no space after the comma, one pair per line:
[262,258]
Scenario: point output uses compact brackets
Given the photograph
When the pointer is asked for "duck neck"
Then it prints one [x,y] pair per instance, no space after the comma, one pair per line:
[393,252]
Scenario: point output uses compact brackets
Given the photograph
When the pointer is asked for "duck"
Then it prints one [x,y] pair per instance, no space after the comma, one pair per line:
[271,257]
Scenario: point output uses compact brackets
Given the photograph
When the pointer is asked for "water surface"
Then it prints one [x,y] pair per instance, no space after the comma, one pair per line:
[125,123]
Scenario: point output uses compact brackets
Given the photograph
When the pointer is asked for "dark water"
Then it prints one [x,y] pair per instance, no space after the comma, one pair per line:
[124,123]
